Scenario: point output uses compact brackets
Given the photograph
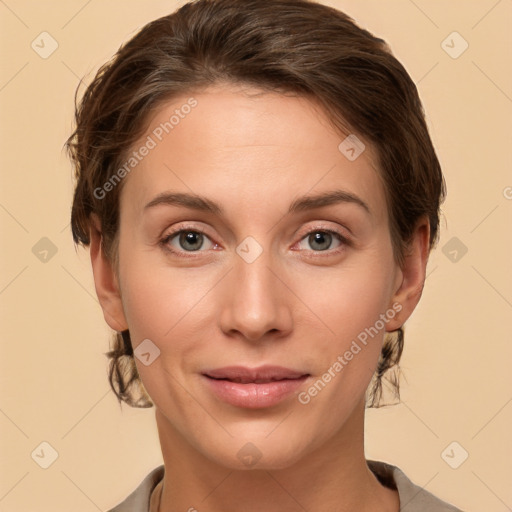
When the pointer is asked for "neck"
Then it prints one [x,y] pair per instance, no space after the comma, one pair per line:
[333,477]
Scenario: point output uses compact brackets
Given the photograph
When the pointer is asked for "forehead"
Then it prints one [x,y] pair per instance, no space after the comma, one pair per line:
[243,145]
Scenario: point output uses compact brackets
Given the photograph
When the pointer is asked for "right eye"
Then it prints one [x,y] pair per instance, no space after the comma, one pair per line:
[188,240]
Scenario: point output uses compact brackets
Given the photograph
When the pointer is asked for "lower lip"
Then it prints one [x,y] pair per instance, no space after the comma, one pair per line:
[254,396]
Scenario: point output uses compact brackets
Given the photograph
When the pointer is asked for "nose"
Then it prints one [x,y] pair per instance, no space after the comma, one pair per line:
[257,303]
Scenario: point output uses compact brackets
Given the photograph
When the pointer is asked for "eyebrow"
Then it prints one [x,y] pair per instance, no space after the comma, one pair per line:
[301,204]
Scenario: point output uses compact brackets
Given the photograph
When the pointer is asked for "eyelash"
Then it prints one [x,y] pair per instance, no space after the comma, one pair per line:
[164,242]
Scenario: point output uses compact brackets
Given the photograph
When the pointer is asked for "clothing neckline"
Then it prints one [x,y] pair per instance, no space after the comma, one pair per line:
[379,469]
[412,497]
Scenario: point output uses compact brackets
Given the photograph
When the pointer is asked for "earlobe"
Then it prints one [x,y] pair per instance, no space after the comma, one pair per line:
[105,281]
[412,273]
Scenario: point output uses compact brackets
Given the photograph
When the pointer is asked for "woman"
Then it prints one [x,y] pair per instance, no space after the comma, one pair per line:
[260,195]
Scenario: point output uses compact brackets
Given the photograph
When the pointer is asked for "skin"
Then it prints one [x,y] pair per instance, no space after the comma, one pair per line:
[296,305]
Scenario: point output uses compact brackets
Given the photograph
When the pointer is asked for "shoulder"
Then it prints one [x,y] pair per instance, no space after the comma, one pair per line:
[413,498]
[138,500]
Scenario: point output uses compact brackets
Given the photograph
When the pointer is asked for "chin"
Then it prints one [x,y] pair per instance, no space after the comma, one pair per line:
[258,452]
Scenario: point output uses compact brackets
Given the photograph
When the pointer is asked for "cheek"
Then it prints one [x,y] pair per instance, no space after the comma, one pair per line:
[166,305]
[158,298]
[345,301]
[348,306]
[161,305]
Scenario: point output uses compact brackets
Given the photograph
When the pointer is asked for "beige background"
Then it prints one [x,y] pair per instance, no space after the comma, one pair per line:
[53,338]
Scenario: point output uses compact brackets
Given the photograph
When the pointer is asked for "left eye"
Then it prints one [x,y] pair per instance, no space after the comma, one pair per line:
[322,238]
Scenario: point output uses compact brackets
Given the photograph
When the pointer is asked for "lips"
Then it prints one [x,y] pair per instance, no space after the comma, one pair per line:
[254,388]
[261,375]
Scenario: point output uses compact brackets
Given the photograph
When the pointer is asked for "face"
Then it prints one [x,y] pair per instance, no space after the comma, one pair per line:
[254,274]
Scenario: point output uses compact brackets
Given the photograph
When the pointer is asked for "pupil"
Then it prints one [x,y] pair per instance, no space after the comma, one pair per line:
[191,238]
[318,237]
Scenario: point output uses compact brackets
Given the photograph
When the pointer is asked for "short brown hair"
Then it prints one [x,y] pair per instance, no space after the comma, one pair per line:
[284,46]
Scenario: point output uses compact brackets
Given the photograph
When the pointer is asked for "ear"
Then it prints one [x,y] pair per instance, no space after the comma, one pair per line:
[411,277]
[105,280]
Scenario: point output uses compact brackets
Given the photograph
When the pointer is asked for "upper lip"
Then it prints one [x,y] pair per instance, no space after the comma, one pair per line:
[243,374]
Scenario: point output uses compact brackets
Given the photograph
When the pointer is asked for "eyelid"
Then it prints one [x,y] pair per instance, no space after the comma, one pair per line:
[184,226]
[323,227]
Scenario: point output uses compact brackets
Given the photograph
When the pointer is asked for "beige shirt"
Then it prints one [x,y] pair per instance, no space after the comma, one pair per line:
[412,497]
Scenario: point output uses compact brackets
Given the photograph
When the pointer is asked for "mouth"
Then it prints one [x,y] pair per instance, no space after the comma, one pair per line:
[261,375]
[254,388]
[244,380]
